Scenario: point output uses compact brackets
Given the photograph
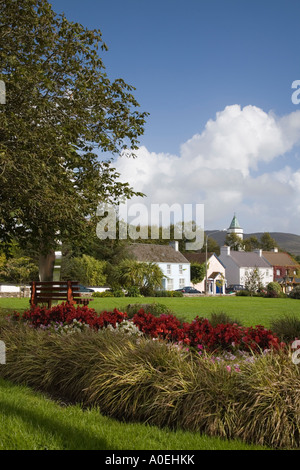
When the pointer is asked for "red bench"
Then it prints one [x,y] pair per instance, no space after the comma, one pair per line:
[46,292]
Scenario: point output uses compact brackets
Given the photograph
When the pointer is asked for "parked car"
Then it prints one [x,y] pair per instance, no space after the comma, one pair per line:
[85,289]
[189,290]
[234,288]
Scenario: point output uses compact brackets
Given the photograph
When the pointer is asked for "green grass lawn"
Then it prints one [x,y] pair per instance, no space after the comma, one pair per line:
[31,421]
[250,311]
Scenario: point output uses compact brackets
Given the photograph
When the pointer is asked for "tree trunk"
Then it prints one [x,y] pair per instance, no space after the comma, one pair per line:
[46,266]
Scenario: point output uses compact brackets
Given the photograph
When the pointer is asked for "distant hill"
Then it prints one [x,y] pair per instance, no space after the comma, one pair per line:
[286,241]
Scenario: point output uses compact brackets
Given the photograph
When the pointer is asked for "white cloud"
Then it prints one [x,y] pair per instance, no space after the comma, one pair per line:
[220,167]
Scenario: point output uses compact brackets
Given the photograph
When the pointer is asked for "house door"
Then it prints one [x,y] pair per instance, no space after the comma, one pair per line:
[219,289]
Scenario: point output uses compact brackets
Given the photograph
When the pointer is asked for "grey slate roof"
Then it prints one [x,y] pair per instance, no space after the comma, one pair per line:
[249,259]
[153,253]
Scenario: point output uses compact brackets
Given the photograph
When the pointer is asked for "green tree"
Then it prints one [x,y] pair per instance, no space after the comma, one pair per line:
[85,269]
[197,272]
[234,241]
[134,273]
[19,270]
[251,243]
[267,243]
[61,109]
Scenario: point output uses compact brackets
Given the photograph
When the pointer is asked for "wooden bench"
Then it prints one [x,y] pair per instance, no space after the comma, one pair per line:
[46,292]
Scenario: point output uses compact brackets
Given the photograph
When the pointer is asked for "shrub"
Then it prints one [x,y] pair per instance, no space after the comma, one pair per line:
[155,309]
[287,328]
[295,294]
[133,292]
[168,293]
[222,317]
[118,293]
[274,290]
[106,293]
[243,293]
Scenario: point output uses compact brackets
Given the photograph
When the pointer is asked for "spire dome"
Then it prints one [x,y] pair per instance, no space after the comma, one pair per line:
[235,223]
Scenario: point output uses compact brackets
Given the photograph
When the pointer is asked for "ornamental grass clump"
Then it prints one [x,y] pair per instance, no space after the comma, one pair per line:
[287,327]
[268,401]
[251,396]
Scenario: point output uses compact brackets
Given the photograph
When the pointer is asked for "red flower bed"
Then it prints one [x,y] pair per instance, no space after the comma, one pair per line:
[201,332]
[197,333]
[109,318]
[165,326]
[66,313]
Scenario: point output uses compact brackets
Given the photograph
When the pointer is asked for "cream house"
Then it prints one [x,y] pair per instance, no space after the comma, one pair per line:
[216,279]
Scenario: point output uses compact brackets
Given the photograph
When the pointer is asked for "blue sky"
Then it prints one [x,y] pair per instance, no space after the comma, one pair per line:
[215,76]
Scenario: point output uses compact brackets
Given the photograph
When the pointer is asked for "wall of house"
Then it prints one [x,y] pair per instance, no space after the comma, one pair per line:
[232,270]
[214,265]
[178,275]
[266,275]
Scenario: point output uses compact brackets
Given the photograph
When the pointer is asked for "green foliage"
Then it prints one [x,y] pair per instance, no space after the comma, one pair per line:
[133,292]
[168,293]
[19,270]
[55,427]
[218,318]
[286,327]
[147,276]
[85,269]
[61,108]
[197,272]
[295,294]
[267,243]
[150,381]
[107,293]
[251,243]
[234,241]
[155,309]
[274,289]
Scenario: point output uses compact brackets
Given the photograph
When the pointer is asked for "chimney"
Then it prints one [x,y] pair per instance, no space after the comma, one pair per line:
[275,249]
[259,252]
[175,244]
[225,250]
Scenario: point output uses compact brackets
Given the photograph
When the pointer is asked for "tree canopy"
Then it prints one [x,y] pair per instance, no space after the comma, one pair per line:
[61,110]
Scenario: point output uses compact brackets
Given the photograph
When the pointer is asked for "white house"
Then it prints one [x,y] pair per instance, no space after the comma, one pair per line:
[173,264]
[216,277]
[240,263]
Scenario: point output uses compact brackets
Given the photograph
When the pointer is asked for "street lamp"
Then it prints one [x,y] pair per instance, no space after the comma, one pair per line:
[206,280]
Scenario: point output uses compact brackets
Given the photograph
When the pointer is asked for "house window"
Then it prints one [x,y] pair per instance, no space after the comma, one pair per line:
[170,284]
[181,283]
[180,269]
[168,269]
[277,272]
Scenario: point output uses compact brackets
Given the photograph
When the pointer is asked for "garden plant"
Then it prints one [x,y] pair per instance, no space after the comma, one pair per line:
[220,379]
